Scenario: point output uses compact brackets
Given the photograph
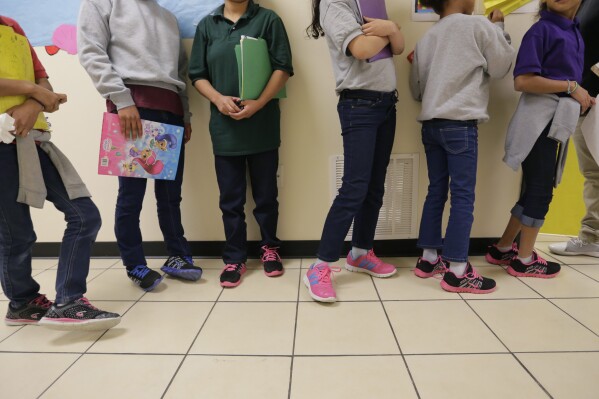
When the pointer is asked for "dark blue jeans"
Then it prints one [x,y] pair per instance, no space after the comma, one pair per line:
[451,149]
[168,201]
[368,130]
[17,236]
[538,173]
[231,177]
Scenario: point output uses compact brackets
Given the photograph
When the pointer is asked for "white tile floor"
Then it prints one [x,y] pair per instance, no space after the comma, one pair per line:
[401,337]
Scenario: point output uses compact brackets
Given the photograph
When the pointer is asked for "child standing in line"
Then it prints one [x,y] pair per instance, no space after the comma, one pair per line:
[245,134]
[453,64]
[548,68]
[34,170]
[367,97]
[133,52]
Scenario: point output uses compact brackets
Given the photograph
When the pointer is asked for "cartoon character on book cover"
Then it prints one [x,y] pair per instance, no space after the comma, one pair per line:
[155,155]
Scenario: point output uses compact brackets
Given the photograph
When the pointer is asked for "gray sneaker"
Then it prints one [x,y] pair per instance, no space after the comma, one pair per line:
[79,315]
[575,246]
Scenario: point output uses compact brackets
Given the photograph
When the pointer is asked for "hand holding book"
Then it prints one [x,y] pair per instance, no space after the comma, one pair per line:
[379,27]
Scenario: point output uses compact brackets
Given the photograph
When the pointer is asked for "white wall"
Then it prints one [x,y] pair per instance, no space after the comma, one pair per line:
[310,135]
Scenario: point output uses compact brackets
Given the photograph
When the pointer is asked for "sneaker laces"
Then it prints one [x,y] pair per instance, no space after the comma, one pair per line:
[472,274]
[578,242]
[371,256]
[179,261]
[270,254]
[538,258]
[87,303]
[515,248]
[325,273]
[440,267]
[140,271]
[42,302]
[233,267]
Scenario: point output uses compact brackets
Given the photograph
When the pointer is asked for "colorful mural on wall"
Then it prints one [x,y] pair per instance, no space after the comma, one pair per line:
[53,23]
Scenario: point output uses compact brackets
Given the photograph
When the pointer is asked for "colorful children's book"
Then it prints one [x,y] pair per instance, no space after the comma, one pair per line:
[254,68]
[375,9]
[155,155]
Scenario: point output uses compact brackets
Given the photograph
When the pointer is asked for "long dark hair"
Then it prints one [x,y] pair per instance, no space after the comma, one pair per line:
[315,30]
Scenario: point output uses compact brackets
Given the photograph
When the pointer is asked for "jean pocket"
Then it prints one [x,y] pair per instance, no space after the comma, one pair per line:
[455,139]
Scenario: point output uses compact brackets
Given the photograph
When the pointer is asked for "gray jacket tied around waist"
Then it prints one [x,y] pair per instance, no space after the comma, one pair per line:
[534,113]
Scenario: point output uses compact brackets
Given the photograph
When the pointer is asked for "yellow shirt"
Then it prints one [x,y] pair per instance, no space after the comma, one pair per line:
[16,63]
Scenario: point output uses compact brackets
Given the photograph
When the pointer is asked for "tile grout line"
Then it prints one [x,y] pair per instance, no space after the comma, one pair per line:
[93,343]
[13,333]
[191,345]
[584,274]
[562,310]
[508,349]
[572,317]
[299,282]
[396,339]
[300,356]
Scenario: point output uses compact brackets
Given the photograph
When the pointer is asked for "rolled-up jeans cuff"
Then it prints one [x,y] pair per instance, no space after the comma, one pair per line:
[531,222]
[517,211]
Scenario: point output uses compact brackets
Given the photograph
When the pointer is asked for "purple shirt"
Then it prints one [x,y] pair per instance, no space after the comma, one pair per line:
[552,48]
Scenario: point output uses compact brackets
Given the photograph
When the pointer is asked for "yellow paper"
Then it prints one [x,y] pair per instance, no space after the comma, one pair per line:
[506,6]
[16,63]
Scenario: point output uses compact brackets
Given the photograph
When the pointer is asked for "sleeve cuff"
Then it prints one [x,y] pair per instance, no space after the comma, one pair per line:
[523,71]
[284,69]
[348,40]
[122,100]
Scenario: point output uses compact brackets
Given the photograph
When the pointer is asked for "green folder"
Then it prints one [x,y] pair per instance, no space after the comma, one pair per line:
[254,68]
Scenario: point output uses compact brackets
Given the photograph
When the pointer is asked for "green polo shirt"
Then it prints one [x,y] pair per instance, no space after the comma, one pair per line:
[213,59]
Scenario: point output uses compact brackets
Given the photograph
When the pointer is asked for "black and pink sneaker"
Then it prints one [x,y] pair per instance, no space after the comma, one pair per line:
[471,282]
[30,313]
[231,275]
[79,314]
[496,257]
[426,269]
[538,267]
[271,260]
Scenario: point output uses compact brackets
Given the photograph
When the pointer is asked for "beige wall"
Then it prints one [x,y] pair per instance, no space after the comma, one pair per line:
[310,135]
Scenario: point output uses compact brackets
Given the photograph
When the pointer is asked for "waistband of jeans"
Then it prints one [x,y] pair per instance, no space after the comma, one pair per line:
[469,122]
[368,95]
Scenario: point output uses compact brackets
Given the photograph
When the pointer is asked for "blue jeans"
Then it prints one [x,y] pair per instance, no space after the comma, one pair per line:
[168,201]
[17,236]
[231,176]
[538,174]
[451,149]
[368,129]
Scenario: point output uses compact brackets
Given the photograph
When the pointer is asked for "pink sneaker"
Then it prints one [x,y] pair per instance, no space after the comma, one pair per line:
[318,281]
[370,264]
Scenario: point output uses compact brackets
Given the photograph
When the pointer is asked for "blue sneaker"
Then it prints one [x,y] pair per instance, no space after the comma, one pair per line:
[182,267]
[146,278]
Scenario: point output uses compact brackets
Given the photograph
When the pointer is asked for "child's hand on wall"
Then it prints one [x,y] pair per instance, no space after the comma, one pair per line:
[496,16]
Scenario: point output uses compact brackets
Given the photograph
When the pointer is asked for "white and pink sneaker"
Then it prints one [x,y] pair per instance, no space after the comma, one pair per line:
[370,264]
[318,281]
